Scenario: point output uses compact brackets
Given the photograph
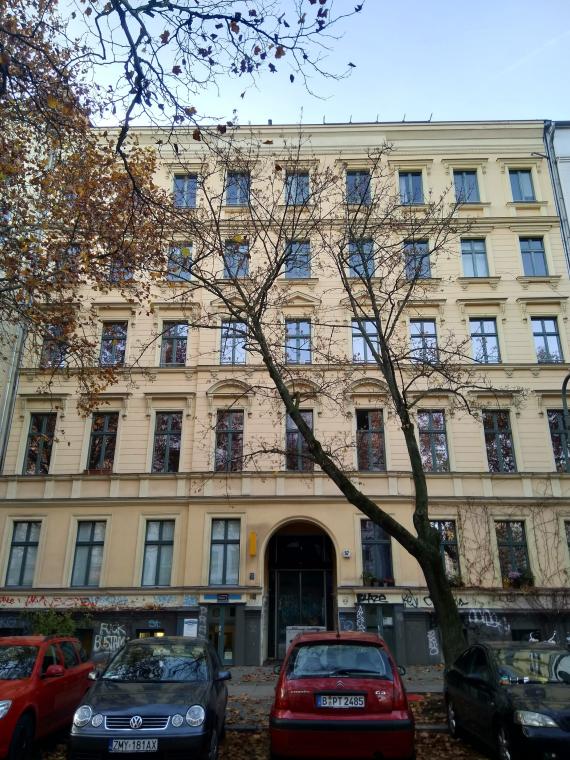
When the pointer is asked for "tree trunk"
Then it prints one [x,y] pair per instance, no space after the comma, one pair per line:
[445,607]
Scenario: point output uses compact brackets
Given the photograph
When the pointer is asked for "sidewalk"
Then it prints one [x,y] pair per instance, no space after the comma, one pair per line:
[251,692]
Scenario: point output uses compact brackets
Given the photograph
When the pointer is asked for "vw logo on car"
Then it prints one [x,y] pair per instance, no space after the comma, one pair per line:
[135,721]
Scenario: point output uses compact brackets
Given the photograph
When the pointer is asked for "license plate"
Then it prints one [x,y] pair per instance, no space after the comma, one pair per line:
[133,745]
[340,700]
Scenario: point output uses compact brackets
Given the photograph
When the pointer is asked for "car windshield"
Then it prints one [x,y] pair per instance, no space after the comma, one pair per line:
[323,659]
[533,665]
[16,662]
[159,663]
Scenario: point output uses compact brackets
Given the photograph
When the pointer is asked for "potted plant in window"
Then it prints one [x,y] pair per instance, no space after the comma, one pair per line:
[368,579]
[518,579]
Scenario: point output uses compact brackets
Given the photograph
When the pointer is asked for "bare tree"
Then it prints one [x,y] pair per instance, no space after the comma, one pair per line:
[373,252]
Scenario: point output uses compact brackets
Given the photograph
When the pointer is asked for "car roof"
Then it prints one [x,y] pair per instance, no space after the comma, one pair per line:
[340,636]
[32,641]
[542,646]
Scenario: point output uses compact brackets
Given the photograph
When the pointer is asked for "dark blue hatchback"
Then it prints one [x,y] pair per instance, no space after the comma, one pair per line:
[158,698]
[513,696]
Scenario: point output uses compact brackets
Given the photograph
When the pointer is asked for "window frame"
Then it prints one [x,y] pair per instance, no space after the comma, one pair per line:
[496,432]
[421,271]
[236,258]
[292,185]
[406,188]
[106,435]
[26,545]
[545,334]
[292,260]
[361,258]
[114,341]
[179,264]
[475,257]
[531,255]
[160,543]
[53,346]
[45,439]
[461,173]
[562,461]
[424,349]
[355,194]
[231,336]
[225,542]
[295,342]
[173,341]
[231,432]
[374,451]
[440,525]
[90,544]
[303,463]
[432,432]
[187,194]
[358,335]
[482,338]
[511,546]
[514,174]
[169,434]
[235,184]
[381,542]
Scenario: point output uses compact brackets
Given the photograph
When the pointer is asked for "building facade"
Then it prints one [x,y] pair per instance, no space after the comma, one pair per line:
[142,520]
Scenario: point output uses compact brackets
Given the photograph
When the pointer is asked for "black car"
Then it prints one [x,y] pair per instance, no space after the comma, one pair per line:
[160,697]
[513,696]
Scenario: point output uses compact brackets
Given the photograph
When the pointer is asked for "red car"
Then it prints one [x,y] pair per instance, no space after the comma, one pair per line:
[42,680]
[340,695]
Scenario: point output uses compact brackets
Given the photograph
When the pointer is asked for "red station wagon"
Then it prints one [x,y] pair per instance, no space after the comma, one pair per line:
[340,695]
[42,680]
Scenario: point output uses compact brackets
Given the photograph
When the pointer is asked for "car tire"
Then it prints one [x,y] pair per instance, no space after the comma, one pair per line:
[214,748]
[22,739]
[504,745]
[452,719]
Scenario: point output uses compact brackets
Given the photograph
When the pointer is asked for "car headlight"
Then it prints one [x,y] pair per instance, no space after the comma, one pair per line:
[82,716]
[177,720]
[537,720]
[195,715]
[4,707]
[96,720]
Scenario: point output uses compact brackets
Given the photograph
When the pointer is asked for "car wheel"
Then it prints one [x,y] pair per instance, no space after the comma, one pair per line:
[505,750]
[452,721]
[214,746]
[22,739]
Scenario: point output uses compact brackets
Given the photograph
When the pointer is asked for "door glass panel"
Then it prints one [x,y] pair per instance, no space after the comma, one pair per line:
[312,599]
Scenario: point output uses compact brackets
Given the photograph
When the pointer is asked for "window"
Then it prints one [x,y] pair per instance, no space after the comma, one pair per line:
[298,260]
[364,336]
[474,258]
[418,265]
[180,262]
[466,187]
[559,439]
[358,187]
[546,340]
[54,347]
[233,343]
[39,444]
[185,186]
[513,554]
[485,340]
[296,188]
[237,189]
[158,545]
[103,440]
[411,190]
[113,343]
[376,553]
[68,260]
[229,441]
[23,553]
[433,440]
[224,553]
[88,553]
[448,546]
[533,257]
[119,272]
[521,185]
[370,449]
[167,435]
[361,258]
[174,341]
[236,260]
[499,441]
[297,341]
[298,457]
[70,656]
[424,340]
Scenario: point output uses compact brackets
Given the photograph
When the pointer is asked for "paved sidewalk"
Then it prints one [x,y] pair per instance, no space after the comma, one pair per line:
[251,692]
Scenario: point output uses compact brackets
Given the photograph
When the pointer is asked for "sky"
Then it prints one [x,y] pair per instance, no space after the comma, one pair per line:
[444,60]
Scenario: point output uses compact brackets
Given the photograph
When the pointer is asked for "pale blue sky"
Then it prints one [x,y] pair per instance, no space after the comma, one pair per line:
[491,59]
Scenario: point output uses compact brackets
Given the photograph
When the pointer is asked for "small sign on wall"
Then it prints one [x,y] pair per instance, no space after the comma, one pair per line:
[190,627]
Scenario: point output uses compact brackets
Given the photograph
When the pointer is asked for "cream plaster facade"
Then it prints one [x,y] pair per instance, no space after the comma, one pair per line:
[266,499]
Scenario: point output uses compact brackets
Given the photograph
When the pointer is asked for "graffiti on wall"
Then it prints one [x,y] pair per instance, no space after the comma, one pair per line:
[433,643]
[360,619]
[110,638]
[97,602]
[488,619]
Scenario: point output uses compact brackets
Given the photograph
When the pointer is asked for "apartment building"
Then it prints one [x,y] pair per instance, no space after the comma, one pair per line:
[148,518]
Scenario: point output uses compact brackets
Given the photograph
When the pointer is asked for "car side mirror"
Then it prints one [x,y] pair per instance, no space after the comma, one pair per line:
[277,668]
[401,670]
[54,671]
[93,675]
[224,675]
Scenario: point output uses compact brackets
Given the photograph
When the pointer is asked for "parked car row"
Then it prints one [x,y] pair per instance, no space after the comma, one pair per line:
[338,695]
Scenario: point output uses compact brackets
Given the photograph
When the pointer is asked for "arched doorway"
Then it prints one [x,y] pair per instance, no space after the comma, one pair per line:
[300,569]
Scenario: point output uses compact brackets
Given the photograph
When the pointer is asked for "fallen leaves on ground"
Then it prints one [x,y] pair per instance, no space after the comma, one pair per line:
[430,708]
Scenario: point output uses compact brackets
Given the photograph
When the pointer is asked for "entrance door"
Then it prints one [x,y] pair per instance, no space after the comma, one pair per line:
[300,583]
[221,630]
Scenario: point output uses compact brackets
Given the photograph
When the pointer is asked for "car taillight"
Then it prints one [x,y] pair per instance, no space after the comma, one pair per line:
[400,698]
[282,698]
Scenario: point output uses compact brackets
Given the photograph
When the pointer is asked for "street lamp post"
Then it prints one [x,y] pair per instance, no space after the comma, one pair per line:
[566,422]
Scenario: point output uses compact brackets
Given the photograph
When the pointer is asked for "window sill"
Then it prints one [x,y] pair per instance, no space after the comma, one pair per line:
[236,206]
[475,206]
[298,280]
[527,205]
[97,471]
[547,279]
[466,281]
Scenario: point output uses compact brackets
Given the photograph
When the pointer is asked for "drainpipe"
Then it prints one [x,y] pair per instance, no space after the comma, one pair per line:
[9,400]
[549,130]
